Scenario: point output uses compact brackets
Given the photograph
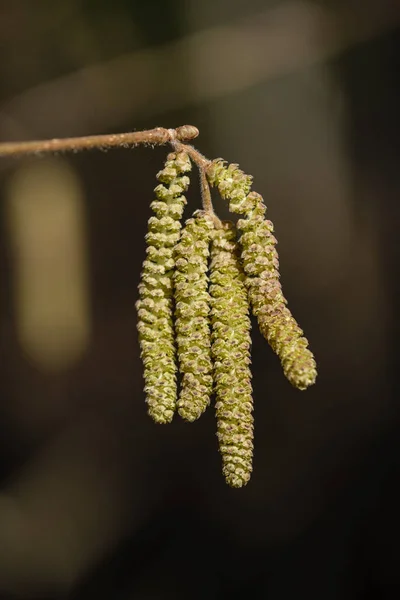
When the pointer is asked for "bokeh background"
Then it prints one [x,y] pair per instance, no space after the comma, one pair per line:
[97,501]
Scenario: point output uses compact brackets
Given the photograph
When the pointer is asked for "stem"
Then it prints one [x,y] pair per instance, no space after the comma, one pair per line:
[202,163]
[206,198]
[157,136]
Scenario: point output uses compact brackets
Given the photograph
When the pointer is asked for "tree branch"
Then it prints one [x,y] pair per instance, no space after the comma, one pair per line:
[157,136]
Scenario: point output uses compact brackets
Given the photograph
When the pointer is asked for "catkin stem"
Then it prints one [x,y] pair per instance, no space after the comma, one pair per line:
[202,163]
[206,199]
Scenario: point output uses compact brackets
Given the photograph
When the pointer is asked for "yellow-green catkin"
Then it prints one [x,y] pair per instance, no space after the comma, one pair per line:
[155,304]
[230,349]
[192,326]
[260,262]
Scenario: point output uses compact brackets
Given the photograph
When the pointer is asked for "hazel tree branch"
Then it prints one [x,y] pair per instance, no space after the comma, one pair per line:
[152,137]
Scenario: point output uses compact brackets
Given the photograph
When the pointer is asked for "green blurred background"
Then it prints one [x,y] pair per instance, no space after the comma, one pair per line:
[97,501]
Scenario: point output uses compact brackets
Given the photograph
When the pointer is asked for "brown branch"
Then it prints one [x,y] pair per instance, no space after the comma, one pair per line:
[157,136]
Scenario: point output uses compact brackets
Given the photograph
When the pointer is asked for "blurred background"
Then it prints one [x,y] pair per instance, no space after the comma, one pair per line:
[96,500]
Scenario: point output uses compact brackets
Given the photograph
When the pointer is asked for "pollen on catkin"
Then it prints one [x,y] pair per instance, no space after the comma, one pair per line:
[260,263]
[155,304]
[192,307]
[230,350]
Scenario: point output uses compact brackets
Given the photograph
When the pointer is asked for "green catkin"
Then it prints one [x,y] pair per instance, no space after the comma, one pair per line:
[192,326]
[230,349]
[155,304]
[260,262]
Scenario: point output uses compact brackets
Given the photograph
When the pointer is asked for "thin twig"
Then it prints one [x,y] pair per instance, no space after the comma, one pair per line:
[202,163]
[157,136]
[206,198]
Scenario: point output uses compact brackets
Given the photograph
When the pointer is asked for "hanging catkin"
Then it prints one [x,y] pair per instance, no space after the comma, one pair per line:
[260,262]
[192,316]
[230,348]
[155,304]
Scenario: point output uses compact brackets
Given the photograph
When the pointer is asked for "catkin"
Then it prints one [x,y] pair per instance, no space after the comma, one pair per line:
[230,349]
[260,262]
[155,304]
[192,326]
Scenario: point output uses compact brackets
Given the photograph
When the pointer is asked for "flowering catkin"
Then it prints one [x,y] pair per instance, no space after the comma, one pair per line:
[154,307]
[260,262]
[192,316]
[230,349]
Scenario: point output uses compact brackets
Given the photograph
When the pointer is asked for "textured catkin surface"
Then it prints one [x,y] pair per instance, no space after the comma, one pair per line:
[231,344]
[192,302]
[155,304]
[260,263]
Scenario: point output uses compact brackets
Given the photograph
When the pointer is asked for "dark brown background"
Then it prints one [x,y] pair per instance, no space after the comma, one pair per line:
[97,501]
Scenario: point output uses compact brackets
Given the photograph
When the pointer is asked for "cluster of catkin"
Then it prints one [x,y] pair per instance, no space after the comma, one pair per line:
[198,285]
